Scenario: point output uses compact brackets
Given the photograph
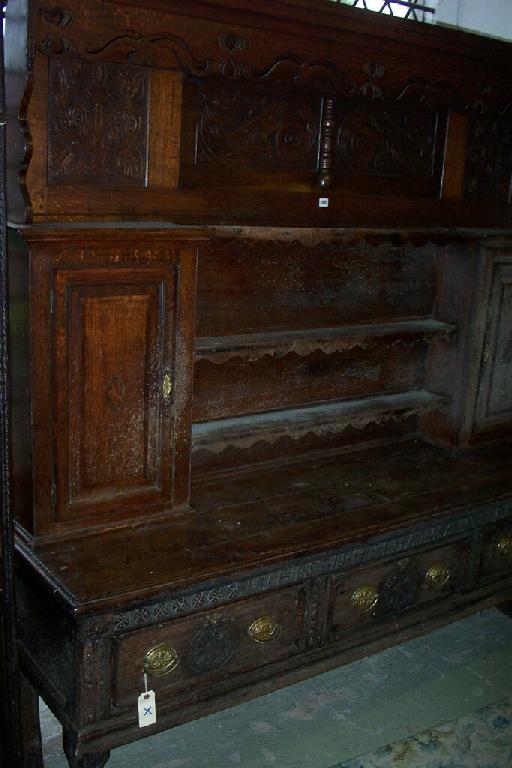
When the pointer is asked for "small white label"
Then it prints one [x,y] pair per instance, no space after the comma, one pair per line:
[323,202]
[147,709]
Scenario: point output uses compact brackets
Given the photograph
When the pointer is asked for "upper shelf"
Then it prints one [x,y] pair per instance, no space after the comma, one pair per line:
[217,349]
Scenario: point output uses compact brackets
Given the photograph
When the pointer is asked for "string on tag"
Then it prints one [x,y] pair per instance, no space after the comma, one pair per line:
[145,683]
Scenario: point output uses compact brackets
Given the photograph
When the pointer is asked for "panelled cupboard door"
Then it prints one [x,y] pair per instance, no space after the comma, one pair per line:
[114,367]
[494,405]
[111,326]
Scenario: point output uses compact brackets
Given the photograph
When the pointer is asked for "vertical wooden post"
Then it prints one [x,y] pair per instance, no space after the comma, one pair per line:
[327,142]
[10,742]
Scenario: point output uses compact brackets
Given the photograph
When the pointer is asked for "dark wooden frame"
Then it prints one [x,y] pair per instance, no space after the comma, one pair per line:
[10,742]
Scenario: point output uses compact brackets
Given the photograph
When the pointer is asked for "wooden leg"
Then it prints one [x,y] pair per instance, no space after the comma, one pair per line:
[30,726]
[88,760]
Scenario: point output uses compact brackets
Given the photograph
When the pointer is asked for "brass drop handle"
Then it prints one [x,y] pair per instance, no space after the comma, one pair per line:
[167,387]
[437,576]
[264,630]
[365,598]
[504,547]
[161,660]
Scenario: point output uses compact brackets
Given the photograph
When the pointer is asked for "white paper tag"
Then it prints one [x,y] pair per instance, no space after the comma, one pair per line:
[323,202]
[147,709]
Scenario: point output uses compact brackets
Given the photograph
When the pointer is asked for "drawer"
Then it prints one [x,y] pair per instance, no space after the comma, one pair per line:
[202,649]
[497,553]
[372,595]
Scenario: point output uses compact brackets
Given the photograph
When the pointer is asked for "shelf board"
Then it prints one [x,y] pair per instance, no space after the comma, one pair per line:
[304,342]
[295,423]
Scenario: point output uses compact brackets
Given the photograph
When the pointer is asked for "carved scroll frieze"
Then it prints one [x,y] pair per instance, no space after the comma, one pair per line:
[371,88]
[321,75]
[385,140]
[166,51]
[256,127]
[97,124]
[57,16]
[233,55]
[232,45]
[432,95]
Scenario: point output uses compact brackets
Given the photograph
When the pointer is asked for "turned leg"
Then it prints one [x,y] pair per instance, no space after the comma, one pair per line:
[30,726]
[87,760]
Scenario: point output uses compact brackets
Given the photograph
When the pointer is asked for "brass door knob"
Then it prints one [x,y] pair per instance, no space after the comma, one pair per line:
[264,630]
[437,576]
[365,598]
[504,547]
[161,660]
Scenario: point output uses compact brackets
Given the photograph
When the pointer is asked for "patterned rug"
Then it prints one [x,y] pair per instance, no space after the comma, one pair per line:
[480,740]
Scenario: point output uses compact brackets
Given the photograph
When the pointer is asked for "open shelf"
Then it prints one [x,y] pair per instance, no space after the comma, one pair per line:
[294,423]
[304,342]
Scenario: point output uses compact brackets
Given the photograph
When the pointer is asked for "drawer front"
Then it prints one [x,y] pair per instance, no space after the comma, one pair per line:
[204,648]
[497,553]
[366,596]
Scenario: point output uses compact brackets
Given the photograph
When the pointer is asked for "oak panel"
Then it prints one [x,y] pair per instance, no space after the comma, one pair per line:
[113,343]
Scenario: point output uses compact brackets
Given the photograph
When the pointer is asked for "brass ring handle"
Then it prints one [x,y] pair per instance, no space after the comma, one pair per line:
[365,598]
[161,660]
[264,630]
[437,576]
[504,547]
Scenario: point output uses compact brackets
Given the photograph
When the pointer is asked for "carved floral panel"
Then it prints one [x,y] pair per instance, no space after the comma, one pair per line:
[243,125]
[386,140]
[97,124]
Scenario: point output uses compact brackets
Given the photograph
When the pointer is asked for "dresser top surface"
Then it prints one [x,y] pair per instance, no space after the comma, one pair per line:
[259,518]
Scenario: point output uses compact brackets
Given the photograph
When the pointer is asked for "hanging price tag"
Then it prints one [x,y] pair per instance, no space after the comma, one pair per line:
[147,706]
[147,709]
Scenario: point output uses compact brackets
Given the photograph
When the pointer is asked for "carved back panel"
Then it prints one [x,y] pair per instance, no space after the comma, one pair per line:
[218,114]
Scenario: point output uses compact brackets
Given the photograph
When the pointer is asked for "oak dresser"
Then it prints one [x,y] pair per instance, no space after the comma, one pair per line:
[260,285]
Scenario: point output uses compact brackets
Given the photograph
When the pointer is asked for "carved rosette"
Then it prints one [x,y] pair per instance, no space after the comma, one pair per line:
[398,591]
[213,646]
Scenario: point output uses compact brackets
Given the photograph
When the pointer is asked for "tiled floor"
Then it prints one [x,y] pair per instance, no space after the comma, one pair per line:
[348,712]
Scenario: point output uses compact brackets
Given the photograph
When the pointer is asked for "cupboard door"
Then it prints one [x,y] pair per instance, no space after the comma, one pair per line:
[113,373]
[494,404]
